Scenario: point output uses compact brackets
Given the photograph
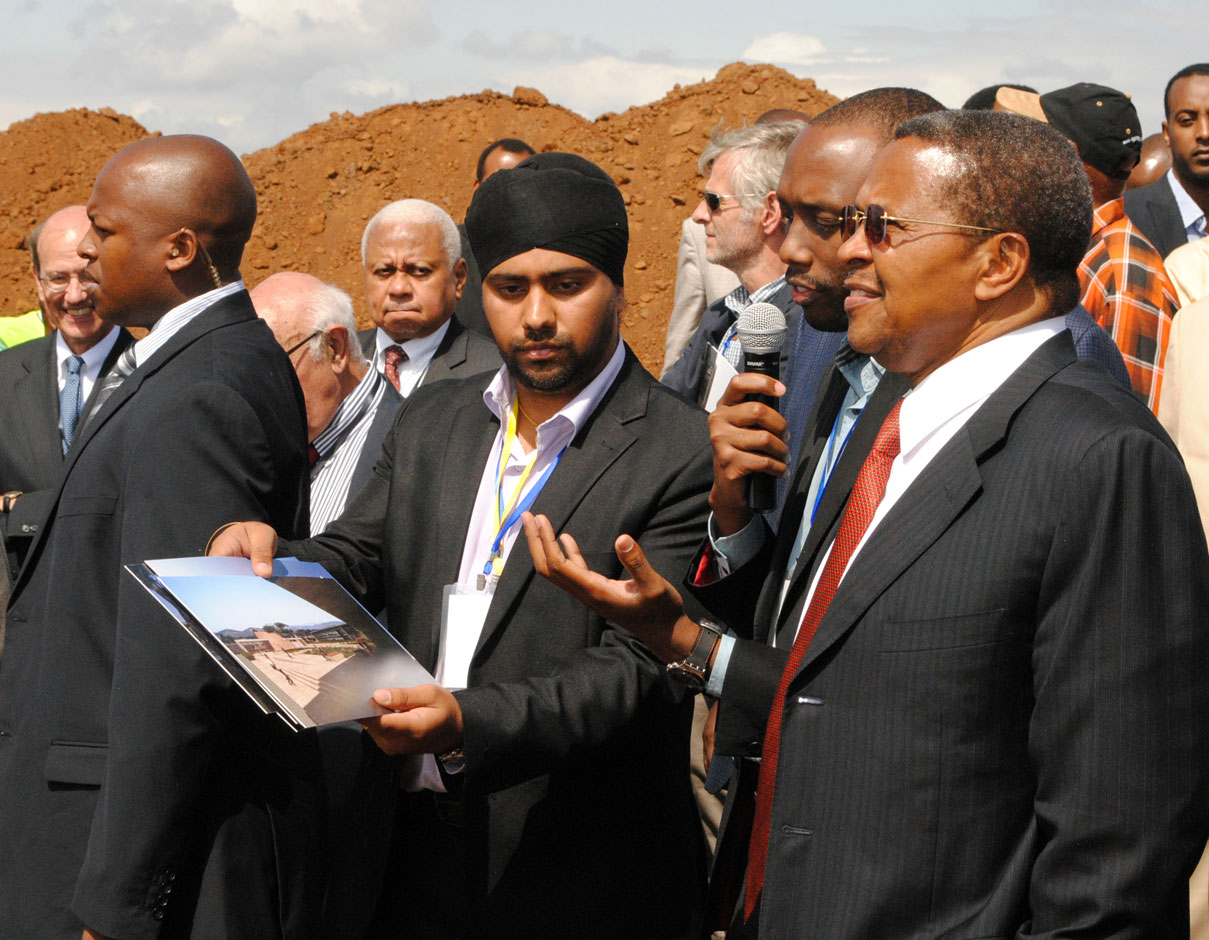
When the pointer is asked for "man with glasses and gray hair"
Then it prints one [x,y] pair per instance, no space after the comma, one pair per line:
[50,380]
[744,228]
[349,406]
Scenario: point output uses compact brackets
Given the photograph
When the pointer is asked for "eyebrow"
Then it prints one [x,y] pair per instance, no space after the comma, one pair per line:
[545,275]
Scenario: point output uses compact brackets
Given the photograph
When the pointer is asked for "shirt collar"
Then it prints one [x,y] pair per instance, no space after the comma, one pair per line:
[740,298]
[171,322]
[92,357]
[968,379]
[573,415]
[420,349]
[861,372]
[1192,215]
[1105,215]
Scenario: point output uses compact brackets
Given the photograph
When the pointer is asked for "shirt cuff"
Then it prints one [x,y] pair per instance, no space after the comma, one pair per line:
[734,551]
[717,674]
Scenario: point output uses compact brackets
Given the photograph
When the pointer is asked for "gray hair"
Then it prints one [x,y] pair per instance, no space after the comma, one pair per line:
[417,212]
[761,150]
[326,305]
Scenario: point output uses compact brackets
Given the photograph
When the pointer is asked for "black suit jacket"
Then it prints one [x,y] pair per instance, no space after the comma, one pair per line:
[31,453]
[1154,211]
[980,740]
[372,449]
[460,354]
[580,817]
[144,794]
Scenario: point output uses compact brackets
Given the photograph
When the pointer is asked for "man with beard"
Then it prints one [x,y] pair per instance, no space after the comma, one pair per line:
[50,380]
[546,793]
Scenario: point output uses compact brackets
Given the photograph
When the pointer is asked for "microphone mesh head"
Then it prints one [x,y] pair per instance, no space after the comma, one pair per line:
[761,328]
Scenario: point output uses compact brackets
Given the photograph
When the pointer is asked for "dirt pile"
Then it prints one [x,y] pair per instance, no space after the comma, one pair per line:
[320,186]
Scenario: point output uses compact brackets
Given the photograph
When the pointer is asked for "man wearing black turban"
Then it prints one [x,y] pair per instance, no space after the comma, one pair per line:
[546,793]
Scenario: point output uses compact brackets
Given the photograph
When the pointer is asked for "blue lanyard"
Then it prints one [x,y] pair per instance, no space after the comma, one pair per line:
[829,470]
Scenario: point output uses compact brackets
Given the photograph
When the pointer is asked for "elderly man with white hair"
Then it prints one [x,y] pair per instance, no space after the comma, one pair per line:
[349,406]
[414,276]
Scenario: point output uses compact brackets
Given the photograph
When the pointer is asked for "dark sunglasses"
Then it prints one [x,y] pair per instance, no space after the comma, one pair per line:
[875,220]
[713,201]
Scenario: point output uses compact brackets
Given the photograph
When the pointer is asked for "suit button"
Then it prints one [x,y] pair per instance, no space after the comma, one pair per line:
[158,914]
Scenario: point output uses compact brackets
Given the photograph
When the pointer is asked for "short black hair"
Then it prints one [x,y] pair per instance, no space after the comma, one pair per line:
[1017,175]
[984,98]
[510,144]
[1200,68]
[882,109]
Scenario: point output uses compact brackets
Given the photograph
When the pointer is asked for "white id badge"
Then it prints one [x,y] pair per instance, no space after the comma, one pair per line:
[723,373]
[463,613]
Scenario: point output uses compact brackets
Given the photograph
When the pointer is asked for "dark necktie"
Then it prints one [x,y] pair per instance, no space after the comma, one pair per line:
[867,492]
[69,400]
[122,368]
[393,357]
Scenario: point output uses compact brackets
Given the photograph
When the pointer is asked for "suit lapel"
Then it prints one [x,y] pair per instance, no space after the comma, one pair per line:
[935,499]
[604,438]
[36,397]
[123,340]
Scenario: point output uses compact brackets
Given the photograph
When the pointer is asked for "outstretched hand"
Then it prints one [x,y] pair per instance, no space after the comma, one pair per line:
[646,603]
[252,540]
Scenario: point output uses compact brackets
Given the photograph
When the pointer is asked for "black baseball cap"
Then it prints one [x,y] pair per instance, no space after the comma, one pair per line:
[1101,121]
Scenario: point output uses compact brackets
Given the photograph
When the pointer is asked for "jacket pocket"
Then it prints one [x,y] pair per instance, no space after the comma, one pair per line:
[76,762]
[86,506]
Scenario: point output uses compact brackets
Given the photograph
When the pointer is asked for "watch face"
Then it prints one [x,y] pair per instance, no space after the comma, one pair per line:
[686,673]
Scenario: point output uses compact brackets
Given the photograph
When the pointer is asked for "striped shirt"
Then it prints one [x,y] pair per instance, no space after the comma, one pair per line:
[339,446]
[1127,291]
[736,302]
[171,322]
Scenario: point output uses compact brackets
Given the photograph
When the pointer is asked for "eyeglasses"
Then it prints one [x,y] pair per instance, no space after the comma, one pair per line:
[875,220]
[56,283]
[298,345]
[713,201]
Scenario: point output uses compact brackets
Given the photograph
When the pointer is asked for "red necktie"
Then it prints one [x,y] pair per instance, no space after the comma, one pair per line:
[394,356]
[862,504]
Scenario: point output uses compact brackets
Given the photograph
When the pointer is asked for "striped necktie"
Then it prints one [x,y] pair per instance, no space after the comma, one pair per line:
[393,357]
[69,400]
[122,368]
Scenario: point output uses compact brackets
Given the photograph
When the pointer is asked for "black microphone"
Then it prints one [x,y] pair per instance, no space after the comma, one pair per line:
[761,330]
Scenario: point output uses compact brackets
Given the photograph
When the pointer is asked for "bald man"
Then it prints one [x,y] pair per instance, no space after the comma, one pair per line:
[349,406]
[144,794]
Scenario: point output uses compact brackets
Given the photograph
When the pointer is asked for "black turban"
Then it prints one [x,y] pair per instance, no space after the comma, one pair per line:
[557,201]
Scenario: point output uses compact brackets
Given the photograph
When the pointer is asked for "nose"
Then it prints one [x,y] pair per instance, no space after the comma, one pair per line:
[855,250]
[400,285]
[75,293]
[794,249]
[1202,126]
[86,248]
[538,316]
[701,214]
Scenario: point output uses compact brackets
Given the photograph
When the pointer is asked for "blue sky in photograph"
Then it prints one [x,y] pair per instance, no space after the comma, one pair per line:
[225,603]
[251,72]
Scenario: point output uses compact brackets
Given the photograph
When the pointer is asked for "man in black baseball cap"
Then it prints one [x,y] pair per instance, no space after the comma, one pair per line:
[1125,287]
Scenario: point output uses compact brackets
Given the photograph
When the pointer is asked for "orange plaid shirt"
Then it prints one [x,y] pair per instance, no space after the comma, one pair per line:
[1127,292]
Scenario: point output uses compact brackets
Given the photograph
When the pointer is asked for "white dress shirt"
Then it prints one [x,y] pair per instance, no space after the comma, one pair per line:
[1191,214]
[419,356]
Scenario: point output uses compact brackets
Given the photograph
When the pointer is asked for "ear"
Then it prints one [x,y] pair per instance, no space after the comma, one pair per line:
[459,278]
[336,341]
[1003,263]
[1166,136]
[38,282]
[772,220]
[182,248]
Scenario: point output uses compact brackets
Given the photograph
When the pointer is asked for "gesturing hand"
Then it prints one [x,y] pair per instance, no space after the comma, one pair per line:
[646,603]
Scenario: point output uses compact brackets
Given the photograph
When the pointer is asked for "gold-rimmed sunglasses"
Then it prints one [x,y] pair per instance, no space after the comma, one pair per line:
[875,219]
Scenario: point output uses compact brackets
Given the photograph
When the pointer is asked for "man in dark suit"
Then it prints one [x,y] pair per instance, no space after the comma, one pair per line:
[50,381]
[349,406]
[547,795]
[1171,211]
[414,275]
[144,794]
[945,750]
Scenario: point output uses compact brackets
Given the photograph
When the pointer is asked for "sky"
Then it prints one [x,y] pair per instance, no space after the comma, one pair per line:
[251,72]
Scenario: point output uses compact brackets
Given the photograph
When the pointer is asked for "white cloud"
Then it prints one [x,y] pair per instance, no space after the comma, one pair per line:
[785,49]
[542,44]
[607,83]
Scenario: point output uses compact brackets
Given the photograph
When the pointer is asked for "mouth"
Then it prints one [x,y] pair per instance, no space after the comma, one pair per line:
[859,294]
[539,352]
[804,288]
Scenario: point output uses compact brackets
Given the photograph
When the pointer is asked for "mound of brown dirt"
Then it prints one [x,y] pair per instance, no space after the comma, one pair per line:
[320,186]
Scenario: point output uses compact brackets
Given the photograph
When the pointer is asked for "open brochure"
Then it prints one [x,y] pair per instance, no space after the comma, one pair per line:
[297,643]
